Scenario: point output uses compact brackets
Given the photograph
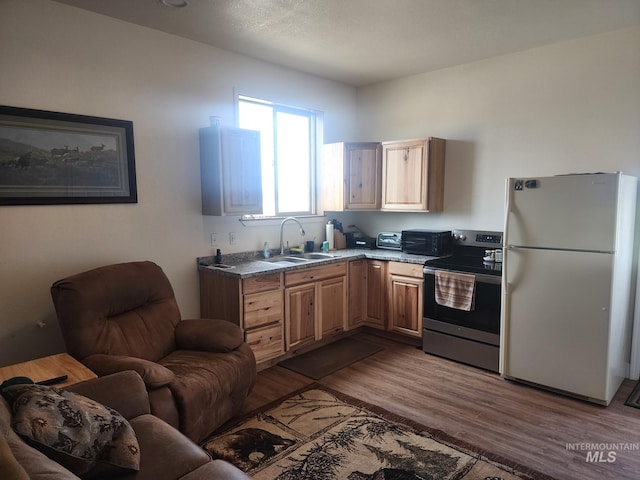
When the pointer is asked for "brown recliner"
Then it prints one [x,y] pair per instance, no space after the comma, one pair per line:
[125,317]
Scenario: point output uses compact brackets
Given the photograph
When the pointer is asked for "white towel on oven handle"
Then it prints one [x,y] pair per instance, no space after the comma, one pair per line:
[455,290]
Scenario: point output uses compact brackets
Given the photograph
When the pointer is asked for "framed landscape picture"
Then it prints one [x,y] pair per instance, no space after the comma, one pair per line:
[60,158]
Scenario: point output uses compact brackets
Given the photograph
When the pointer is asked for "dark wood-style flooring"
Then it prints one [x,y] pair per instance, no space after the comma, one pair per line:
[524,424]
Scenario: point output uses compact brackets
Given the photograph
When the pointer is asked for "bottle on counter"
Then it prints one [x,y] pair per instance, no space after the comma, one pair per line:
[329,234]
[266,253]
[218,259]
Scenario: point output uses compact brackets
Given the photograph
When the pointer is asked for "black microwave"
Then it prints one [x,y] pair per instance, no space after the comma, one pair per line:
[427,242]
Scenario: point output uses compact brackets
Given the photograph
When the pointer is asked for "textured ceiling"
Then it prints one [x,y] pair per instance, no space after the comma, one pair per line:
[360,42]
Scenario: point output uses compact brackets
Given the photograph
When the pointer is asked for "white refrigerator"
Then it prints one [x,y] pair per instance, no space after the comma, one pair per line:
[567,275]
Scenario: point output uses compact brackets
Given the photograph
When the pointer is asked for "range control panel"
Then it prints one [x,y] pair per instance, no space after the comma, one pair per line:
[489,238]
[477,238]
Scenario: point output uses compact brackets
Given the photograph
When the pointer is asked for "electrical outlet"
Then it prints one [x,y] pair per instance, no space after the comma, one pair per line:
[232,238]
[214,239]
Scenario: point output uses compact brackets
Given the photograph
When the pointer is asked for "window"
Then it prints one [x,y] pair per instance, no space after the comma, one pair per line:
[288,148]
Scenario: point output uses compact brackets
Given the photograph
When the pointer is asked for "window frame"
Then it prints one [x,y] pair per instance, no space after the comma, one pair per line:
[315,131]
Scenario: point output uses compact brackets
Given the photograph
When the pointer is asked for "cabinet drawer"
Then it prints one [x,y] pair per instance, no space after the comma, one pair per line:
[262,308]
[312,274]
[406,269]
[266,342]
[261,283]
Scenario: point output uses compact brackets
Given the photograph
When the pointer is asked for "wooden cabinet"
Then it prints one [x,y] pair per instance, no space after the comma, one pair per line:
[375,293]
[301,315]
[356,295]
[367,294]
[315,303]
[230,171]
[404,176]
[255,304]
[332,305]
[349,177]
[413,175]
[405,298]
[282,312]
[263,316]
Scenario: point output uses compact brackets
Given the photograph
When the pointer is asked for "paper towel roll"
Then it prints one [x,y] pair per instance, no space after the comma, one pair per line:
[329,235]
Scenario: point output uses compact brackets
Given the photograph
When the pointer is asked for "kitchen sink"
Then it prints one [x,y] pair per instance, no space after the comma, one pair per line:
[288,260]
[317,255]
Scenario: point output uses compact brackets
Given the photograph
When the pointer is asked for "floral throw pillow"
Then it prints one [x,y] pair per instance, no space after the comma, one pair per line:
[87,438]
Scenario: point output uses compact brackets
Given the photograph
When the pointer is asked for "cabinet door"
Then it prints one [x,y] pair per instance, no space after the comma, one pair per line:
[332,305]
[404,176]
[413,175]
[300,315]
[375,293]
[242,180]
[405,315]
[230,171]
[356,294]
[349,177]
[363,169]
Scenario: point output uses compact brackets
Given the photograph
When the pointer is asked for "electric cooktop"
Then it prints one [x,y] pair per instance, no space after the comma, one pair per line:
[469,247]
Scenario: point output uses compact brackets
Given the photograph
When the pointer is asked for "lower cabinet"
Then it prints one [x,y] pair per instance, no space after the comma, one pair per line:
[405,298]
[255,304]
[315,303]
[375,293]
[367,294]
[263,323]
[279,312]
[332,305]
[357,286]
[300,320]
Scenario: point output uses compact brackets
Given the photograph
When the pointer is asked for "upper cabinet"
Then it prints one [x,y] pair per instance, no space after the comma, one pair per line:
[349,177]
[398,176]
[413,175]
[230,171]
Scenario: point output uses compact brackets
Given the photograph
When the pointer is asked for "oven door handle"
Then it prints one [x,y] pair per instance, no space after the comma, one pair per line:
[480,277]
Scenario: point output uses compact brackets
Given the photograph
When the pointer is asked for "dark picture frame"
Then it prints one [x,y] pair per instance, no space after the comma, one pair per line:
[53,158]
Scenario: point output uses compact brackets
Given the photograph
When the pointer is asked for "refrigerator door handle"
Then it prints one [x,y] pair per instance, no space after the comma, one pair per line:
[507,211]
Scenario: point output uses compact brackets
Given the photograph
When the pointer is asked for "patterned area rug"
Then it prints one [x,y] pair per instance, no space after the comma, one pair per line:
[320,434]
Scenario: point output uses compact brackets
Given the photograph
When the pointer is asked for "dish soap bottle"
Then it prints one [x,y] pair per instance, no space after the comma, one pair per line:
[266,253]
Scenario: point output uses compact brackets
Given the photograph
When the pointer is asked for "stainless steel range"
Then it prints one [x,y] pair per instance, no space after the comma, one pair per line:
[466,332]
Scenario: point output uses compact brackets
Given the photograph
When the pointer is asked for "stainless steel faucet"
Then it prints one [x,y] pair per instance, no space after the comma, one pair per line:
[282,228]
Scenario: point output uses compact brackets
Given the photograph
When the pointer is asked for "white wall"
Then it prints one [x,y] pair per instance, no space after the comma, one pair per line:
[59,58]
[568,107]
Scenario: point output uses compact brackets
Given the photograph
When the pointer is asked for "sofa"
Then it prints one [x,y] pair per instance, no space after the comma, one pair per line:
[163,452]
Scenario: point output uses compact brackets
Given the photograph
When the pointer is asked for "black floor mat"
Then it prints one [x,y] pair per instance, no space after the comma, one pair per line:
[330,358]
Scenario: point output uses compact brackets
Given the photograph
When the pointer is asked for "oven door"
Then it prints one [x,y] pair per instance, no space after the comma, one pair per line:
[481,324]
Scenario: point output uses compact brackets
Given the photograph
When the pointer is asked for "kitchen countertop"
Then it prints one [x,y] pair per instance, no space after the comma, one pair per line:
[251,265]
